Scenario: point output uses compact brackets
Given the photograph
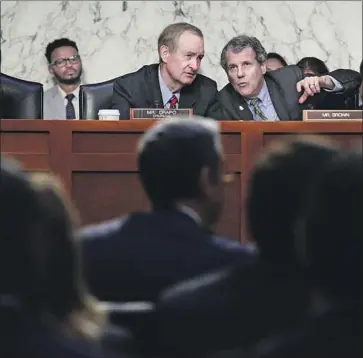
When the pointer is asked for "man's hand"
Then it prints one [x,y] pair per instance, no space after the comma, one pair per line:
[312,85]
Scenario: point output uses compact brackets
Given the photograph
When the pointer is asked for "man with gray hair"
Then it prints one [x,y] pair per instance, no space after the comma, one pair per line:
[172,83]
[180,162]
[254,94]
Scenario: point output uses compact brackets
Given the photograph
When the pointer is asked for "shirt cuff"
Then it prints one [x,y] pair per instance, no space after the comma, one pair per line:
[337,86]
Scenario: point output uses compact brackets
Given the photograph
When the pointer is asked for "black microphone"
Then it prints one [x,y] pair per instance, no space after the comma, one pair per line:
[157,104]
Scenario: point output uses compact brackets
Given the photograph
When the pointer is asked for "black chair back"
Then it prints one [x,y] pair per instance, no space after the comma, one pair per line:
[93,97]
[20,99]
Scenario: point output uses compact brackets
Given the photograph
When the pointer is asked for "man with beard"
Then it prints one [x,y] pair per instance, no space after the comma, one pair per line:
[174,82]
[64,63]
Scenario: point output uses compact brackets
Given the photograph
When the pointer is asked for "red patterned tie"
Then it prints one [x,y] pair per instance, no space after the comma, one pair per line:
[173,102]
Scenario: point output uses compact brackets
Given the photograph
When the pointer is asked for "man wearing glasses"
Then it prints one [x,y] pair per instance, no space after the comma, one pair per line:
[65,65]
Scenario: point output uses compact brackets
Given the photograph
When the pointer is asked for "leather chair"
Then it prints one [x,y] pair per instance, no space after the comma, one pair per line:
[20,99]
[93,97]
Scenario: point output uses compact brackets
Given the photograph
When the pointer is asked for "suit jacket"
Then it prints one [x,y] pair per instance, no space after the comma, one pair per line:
[53,104]
[281,85]
[141,89]
[135,257]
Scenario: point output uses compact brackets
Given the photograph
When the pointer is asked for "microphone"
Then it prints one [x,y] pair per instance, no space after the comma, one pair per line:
[157,104]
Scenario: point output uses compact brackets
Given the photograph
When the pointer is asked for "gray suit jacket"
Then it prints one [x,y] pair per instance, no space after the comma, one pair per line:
[53,104]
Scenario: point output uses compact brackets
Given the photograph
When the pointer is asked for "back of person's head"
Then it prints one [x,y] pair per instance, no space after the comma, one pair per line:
[333,228]
[313,66]
[63,296]
[181,159]
[19,226]
[275,61]
[277,188]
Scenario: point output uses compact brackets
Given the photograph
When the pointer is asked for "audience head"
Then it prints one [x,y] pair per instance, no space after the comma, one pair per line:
[277,189]
[275,61]
[313,66]
[244,60]
[19,226]
[181,49]
[181,162]
[64,61]
[63,294]
[333,229]
[40,273]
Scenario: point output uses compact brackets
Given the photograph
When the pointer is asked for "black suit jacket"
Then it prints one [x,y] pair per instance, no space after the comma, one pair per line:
[141,89]
[135,257]
[281,85]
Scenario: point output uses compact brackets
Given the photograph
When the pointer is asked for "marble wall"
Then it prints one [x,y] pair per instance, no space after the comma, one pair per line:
[116,37]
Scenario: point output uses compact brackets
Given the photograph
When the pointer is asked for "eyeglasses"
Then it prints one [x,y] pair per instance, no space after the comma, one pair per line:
[61,62]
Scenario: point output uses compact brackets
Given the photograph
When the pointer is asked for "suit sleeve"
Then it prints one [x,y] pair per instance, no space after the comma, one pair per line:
[214,109]
[349,79]
[121,99]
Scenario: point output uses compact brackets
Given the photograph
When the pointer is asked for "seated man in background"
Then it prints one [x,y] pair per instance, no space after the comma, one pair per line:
[174,82]
[253,94]
[182,172]
[64,63]
[275,61]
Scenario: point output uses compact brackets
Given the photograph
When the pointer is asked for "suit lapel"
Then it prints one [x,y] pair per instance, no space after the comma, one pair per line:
[277,99]
[189,95]
[153,93]
[58,103]
[239,104]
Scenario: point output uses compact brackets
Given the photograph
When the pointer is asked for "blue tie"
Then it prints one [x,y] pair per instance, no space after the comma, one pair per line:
[70,112]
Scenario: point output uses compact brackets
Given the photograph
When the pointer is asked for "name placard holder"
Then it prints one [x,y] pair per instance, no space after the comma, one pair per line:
[333,115]
[159,113]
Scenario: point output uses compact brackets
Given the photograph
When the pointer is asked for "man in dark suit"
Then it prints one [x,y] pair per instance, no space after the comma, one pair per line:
[237,307]
[181,169]
[174,82]
[254,94]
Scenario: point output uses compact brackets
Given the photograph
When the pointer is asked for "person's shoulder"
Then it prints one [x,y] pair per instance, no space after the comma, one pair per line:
[234,246]
[103,229]
[205,82]
[51,92]
[291,71]
[138,74]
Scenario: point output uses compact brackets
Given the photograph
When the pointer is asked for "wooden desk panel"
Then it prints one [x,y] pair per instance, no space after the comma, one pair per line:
[97,160]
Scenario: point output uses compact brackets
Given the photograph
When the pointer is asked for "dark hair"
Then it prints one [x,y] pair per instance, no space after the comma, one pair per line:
[313,65]
[333,229]
[56,44]
[361,69]
[238,44]
[18,222]
[278,57]
[277,188]
[171,156]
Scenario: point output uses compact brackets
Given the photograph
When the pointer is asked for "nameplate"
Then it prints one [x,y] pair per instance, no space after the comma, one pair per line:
[159,113]
[332,115]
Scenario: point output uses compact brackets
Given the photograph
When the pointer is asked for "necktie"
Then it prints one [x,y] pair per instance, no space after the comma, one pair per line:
[254,102]
[70,112]
[173,102]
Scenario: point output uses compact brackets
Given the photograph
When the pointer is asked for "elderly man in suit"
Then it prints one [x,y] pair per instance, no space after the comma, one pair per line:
[65,65]
[174,82]
[255,94]
[182,172]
